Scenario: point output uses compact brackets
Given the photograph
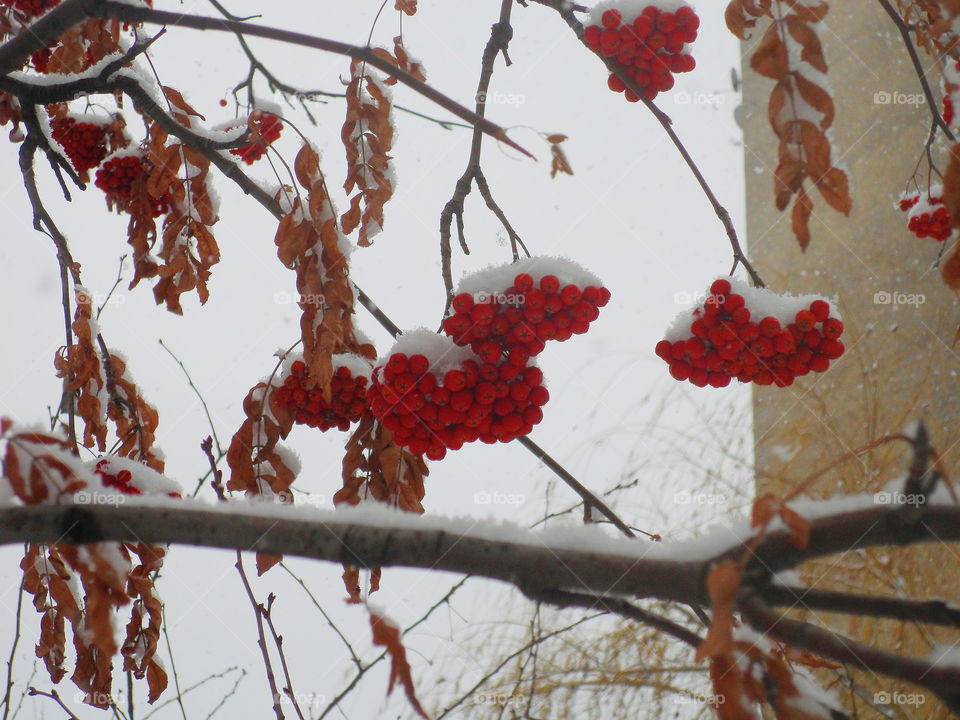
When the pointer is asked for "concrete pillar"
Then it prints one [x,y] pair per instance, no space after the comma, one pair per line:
[899,363]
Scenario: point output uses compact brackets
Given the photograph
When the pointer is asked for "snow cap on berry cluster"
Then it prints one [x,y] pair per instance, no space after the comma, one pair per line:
[357,365]
[147,480]
[762,302]
[632,8]
[950,87]
[923,201]
[442,353]
[497,278]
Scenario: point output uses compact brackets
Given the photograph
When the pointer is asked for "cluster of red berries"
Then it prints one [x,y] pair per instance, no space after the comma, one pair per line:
[122,481]
[727,343]
[490,402]
[648,49]
[348,401]
[84,142]
[117,177]
[270,127]
[523,317]
[929,219]
[32,8]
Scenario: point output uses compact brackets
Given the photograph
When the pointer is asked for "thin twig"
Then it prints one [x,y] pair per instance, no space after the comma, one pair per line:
[500,34]
[618,606]
[918,68]
[200,683]
[173,664]
[527,646]
[55,696]
[196,391]
[13,651]
[267,613]
[739,257]
[353,655]
[261,640]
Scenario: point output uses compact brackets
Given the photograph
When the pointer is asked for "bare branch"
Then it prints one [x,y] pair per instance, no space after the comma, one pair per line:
[918,68]
[944,680]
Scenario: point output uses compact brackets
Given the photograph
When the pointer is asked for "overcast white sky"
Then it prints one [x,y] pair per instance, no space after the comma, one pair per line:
[632,213]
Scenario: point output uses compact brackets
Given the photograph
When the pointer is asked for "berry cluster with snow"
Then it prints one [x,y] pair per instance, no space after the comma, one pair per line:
[133,478]
[753,335]
[518,307]
[83,138]
[437,393]
[647,41]
[443,396]
[950,87]
[927,216]
[348,388]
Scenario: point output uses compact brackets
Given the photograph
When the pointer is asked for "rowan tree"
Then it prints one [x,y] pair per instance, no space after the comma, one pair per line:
[90,114]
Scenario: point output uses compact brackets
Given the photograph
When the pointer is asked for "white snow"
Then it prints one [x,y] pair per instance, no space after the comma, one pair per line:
[761,302]
[145,479]
[357,365]
[440,350]
[630,9]
[497,278]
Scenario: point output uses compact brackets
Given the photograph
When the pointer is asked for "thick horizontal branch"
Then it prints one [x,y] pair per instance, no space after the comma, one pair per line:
[373,537]
[880,525]
[338,537]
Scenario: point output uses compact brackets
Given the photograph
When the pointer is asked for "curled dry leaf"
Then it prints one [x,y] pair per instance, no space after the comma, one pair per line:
[559,162]
[387,635]
[258,467]
[376,468]
[83,586]
[79,365]
[367,135]
[800,109]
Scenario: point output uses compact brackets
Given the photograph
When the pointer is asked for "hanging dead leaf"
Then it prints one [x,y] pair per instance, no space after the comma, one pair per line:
[387,635]
[800,218]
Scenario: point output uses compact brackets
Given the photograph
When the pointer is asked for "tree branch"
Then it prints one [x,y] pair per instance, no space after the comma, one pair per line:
[739,257]
[918,67]
[944,680]
[934,612]
[614,567]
